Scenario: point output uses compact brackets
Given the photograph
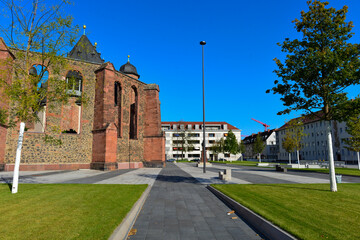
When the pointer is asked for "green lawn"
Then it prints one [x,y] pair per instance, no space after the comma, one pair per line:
[308,211]
[242,163]
[65,211]
[341,171]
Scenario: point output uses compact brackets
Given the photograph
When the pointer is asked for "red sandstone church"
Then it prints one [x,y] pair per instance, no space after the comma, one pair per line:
[120,127]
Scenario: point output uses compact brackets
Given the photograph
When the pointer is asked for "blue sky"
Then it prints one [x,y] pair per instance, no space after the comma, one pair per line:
[162,38]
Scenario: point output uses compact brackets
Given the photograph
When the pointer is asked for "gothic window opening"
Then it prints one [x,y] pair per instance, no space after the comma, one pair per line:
[71,112]
[74,83]
[133,113]
[40,77]
[117,100]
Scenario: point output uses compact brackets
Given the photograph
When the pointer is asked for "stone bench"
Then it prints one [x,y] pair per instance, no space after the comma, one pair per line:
[225,175]
[279,168]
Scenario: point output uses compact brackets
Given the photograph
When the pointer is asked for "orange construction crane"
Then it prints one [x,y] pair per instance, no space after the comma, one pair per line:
[264,124]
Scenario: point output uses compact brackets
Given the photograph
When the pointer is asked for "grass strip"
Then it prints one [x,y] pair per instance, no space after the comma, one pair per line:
[241,163]
[308,211]
[340,171]
[65,211]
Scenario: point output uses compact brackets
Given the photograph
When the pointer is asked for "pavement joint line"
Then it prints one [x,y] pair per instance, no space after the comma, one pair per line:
[265,227]
[122,231]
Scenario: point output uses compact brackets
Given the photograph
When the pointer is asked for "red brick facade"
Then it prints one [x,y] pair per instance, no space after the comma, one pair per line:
[153,136]
[6,57]
[119,128]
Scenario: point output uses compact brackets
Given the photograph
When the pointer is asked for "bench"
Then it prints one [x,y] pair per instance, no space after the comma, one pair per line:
[225,175]
[279,168]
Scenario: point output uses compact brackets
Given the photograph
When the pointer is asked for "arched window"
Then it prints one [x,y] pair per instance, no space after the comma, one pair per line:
[117,101]
[74,83]
[41,76]
[133,113]
[71,112]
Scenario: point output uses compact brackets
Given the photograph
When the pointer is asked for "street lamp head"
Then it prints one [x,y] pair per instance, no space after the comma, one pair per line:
[202,43]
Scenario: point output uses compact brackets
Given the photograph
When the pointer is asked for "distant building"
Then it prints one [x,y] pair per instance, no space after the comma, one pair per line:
[271,148]
[214,131]
[315,142]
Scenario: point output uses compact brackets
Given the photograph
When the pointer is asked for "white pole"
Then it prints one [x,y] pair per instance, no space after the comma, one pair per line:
[17,159]
[333,186]
[358,160]
[260,157]
[298,158]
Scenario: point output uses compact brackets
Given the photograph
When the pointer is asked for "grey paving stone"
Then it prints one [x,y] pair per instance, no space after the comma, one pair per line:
[187,210]
[100,177]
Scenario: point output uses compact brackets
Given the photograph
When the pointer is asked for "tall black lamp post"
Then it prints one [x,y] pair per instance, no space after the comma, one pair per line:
[202,43]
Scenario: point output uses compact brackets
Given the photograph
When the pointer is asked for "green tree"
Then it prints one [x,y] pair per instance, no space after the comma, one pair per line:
[183,142]
[218,147]
[231,143]
[319,67]
[241,149]
[36,31]
[258,146]
[295,130]
[353,128]
[288,144]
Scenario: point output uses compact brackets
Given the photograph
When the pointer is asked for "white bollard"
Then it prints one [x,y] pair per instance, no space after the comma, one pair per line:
[17,159]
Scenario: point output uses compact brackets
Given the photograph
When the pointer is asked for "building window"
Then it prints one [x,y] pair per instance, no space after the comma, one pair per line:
[74,83]
[178,134]
[227,155]
[133,113]
[194,135]
[118,102]
[211,141]
[40,75]
[211,134]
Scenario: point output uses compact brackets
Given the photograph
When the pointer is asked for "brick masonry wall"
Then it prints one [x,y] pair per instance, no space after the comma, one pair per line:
[5,74]
[75,148]
[106,113]
[2,143]
[154,140]
[98,140]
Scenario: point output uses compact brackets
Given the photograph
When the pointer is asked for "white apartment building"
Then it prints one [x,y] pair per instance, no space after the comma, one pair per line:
[315,142]
[193,131]
[270,151]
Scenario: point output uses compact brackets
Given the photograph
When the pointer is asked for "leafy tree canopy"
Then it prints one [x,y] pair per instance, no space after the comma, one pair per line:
[218,146]
[288,144]
[258,145]
[319,66]
[37,32]
[231,143]
[353,129]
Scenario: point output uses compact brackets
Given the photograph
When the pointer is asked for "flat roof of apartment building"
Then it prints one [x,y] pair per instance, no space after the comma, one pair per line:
[192,125]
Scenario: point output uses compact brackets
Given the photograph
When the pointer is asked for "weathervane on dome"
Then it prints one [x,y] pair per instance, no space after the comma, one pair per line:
[128,58]
[84,27]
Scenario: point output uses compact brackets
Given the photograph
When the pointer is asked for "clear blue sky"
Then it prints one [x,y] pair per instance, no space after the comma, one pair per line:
[162,38]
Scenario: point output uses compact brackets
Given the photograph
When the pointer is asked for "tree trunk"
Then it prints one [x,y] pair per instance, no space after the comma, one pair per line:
[358,160]
[289,158]
[333,186]
[260,157]
[298,157]
[15,183]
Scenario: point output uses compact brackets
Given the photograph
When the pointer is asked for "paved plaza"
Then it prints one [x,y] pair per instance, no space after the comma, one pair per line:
[179,206]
